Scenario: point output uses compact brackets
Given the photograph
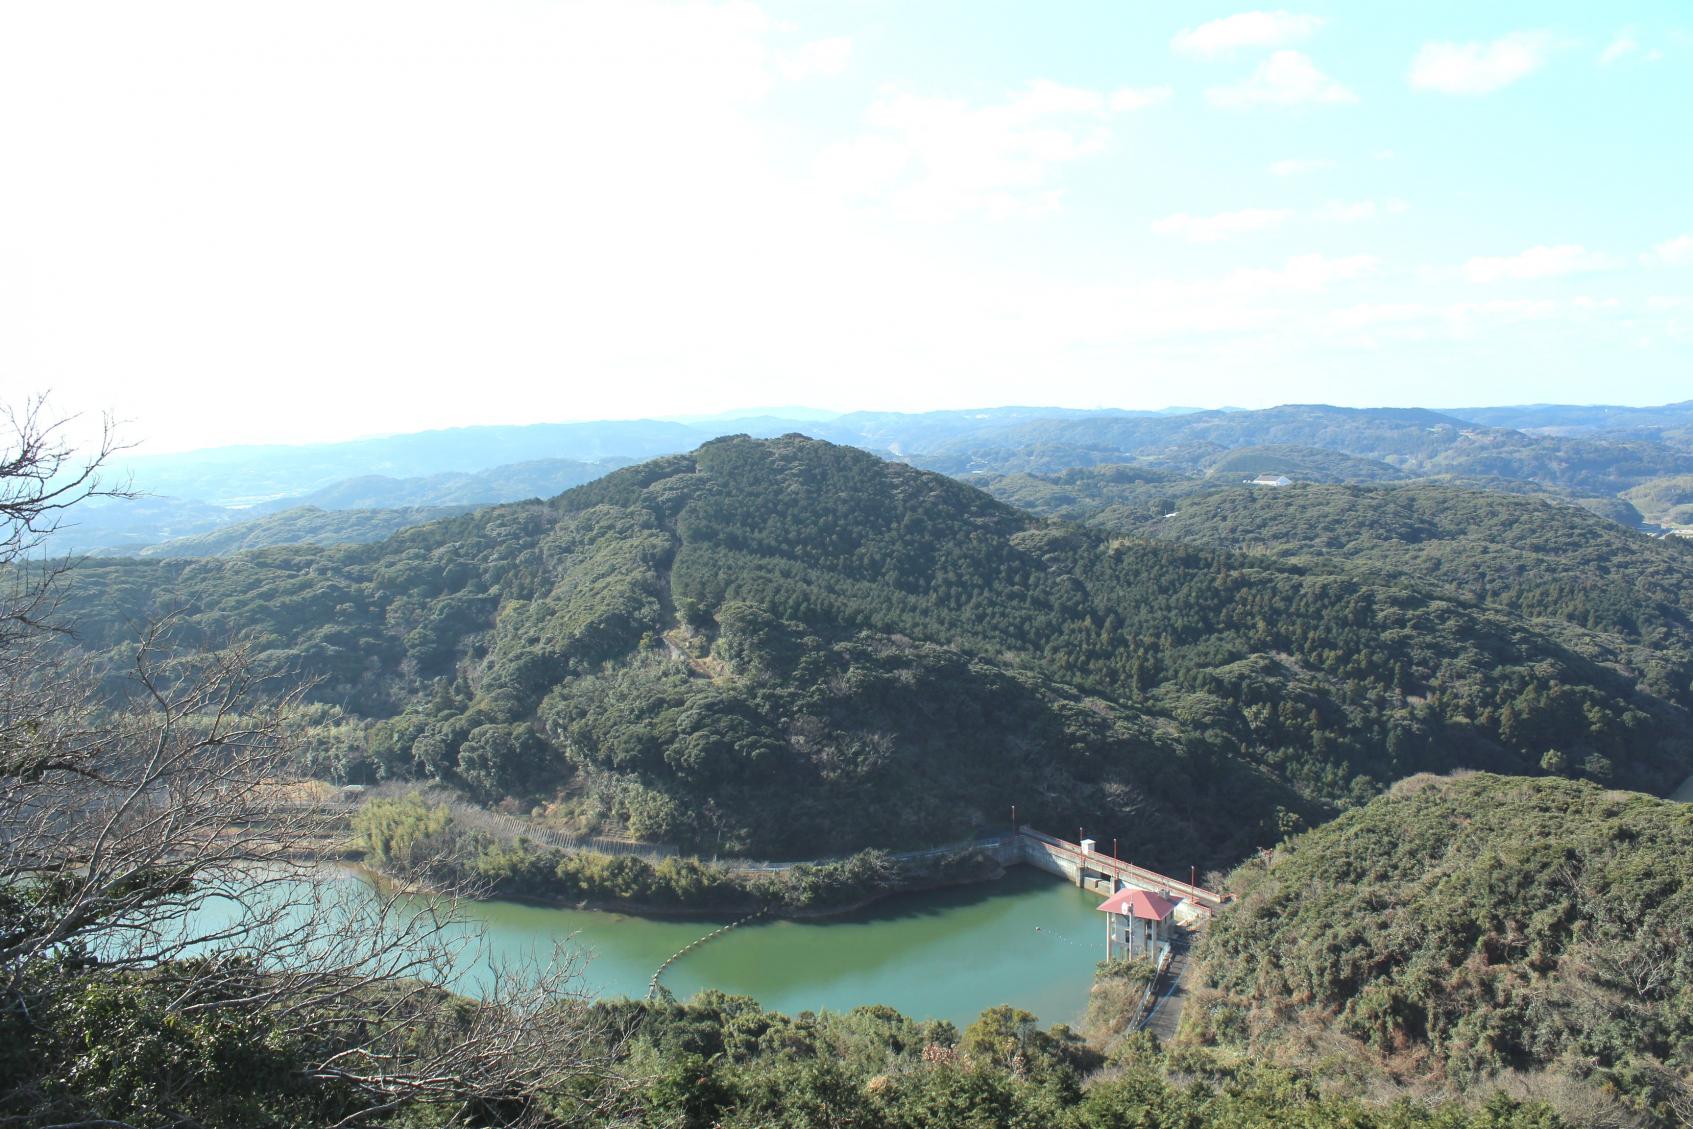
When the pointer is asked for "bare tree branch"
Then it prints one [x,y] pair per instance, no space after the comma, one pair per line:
[152,836]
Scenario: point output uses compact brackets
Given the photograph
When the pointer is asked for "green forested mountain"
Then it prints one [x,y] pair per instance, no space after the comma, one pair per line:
[300,525]
[1416,442]
[1537,556]
[1665,501]
[788,646]
[370,507]
[507,482]
[1394,435]
[1303,464]
[1575,418]
[247,475]
[1463,928]
[1120,496]
[1532,554]
[1601,453]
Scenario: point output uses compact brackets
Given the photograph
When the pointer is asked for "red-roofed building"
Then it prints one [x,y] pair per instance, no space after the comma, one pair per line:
[1137,923]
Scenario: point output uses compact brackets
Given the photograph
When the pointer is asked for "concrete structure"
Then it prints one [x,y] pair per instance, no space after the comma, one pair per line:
[1138,923]
[1090,870]
[1270,480]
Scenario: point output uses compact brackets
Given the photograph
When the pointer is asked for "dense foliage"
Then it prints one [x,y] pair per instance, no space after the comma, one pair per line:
[1303,464]
[1665,501]
[1412,440]
[1613,595]
[367,507]
[300,525]
[412,837]
[791,648]
[722,1061]
[1473,926]
[122,1055]
[120,1050]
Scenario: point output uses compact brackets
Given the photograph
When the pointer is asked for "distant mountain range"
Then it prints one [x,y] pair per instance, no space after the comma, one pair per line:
[1622,461]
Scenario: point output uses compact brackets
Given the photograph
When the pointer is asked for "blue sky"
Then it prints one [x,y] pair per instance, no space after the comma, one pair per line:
[261,223]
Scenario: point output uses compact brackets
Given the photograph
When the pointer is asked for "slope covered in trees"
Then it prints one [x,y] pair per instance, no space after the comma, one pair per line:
[1464,928]
[1606,591]
[300,525]
[1666,501]
[1417,442]
[722,1061]
[1304,464]
[784,646]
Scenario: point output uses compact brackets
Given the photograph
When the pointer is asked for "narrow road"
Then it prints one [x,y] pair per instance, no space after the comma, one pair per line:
[1685,792]
[1166,1013]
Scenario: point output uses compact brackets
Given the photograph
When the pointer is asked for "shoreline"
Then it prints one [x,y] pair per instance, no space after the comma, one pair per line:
[992,872]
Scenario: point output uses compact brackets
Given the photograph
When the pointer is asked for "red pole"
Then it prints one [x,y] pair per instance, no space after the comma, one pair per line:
[1113,848]
[1193,876]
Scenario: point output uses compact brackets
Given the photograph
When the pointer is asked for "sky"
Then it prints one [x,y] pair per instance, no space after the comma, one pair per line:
[230,222]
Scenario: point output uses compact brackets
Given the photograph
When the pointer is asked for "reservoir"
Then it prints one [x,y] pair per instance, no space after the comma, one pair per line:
[1029,939]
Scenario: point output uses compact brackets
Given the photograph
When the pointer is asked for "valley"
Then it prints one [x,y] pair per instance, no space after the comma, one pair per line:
[588,716]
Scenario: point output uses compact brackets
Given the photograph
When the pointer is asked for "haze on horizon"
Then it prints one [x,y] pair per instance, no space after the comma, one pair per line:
[245,224]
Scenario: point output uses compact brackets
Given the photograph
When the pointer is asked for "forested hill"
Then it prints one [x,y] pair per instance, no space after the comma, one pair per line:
[1414,441]
[301,524]
[1458,929]
[786,646]
[1536,555]
[1609,592]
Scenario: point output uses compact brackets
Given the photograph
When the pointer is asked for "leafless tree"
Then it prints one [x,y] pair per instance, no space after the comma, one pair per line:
[42,477]
[150,830]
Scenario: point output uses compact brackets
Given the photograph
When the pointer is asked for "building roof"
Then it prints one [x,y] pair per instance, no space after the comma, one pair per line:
[1134,902]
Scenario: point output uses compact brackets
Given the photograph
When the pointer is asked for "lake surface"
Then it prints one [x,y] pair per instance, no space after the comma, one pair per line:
[1029,939]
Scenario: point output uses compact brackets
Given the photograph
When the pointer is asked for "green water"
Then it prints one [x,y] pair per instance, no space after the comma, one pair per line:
[1027,939]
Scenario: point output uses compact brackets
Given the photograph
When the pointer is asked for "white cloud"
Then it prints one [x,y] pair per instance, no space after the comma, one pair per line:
[1619,48]
[1244,30]
[1304,272]
[1509,309]
[1357,211]
[1536,263]
[938,158]
[1627,46]
[1287,78]
[1297,167]
[1226,225]
[1213,229]
[821,58]
[1479,68]
[1133,98]
[1671,252]
[1370,315]
[1370,324]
